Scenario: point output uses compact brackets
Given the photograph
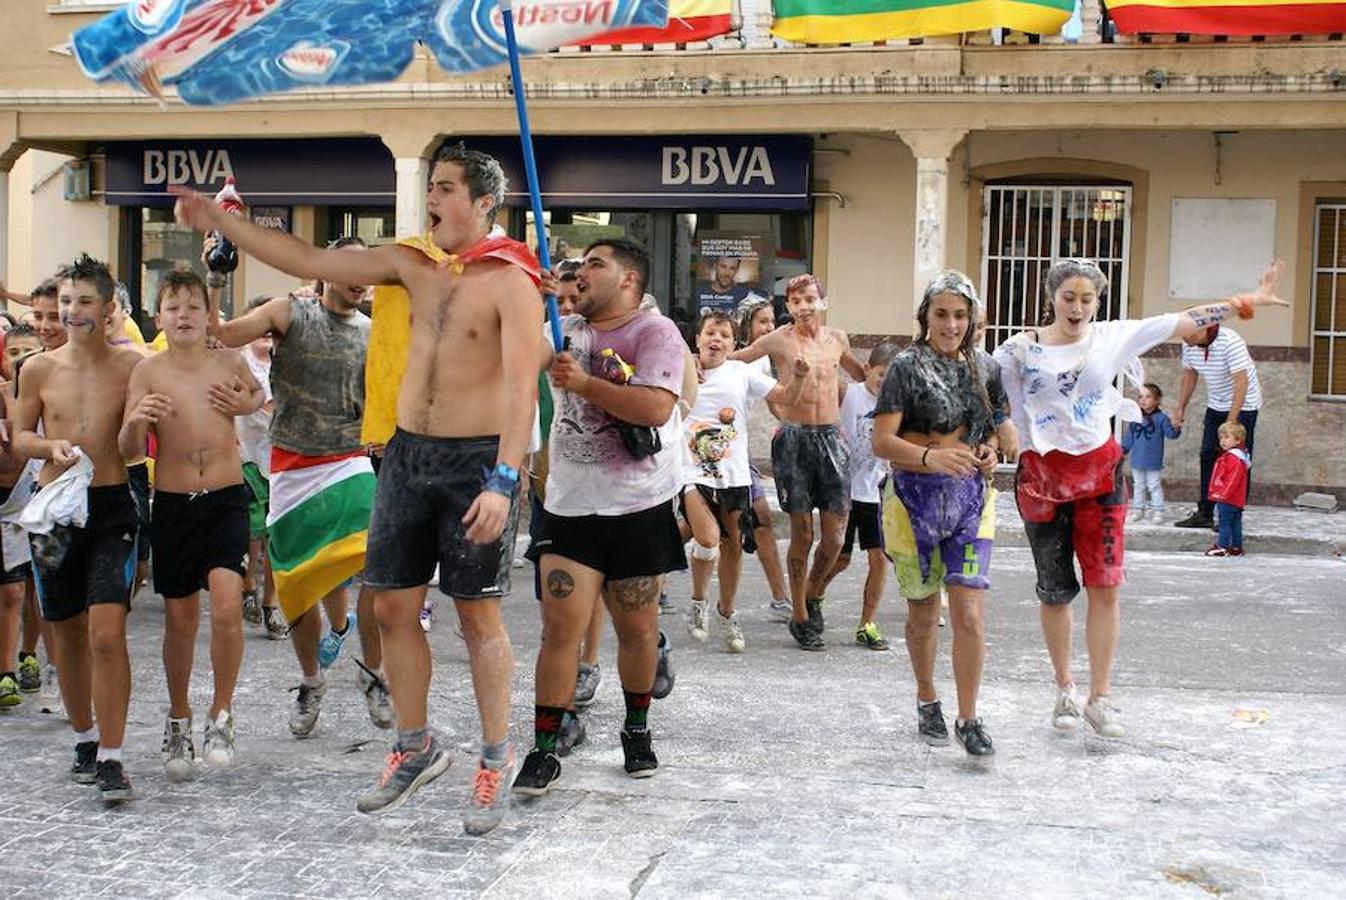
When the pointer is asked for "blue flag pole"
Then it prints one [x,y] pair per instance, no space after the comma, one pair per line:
[530,164]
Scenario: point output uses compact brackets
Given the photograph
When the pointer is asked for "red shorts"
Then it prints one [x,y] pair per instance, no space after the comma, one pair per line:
[1088,528]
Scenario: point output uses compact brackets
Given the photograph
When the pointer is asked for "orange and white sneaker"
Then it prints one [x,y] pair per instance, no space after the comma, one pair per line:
[490,796]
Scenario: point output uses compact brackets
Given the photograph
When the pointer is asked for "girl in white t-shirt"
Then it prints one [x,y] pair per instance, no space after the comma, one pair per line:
[717,478]
[1060,380]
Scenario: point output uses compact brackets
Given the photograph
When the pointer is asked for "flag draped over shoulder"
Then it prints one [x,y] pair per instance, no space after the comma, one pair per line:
[688,20]
[318,524]
[390,331]
[1229,16]
[856,21]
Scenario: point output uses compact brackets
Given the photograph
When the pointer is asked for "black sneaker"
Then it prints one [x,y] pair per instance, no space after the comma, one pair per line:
[1195,520]
[640,759]
[974,738]
[113,785]
[815,608]
[663,672]
[931,724]
[539,771]
[572,734]
[85,769]
[805,636]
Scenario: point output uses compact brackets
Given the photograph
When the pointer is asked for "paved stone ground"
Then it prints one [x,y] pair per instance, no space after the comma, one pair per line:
[785,773]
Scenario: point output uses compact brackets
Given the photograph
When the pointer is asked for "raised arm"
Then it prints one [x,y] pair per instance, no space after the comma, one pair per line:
[14,296]
[756,350]
[1199,318]
[272,317]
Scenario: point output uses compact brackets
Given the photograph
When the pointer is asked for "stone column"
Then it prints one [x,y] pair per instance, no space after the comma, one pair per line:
[413,177]
[4,234]
[932,150]
[1091,18]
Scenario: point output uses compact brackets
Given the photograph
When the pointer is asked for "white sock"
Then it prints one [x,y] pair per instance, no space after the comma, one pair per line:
[83,737]
[112,753]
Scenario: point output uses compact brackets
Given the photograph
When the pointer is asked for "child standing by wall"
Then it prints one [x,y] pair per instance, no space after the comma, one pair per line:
[1144,442]
[1229,490]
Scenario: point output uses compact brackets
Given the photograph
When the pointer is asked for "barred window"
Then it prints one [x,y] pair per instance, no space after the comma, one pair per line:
[1329,301]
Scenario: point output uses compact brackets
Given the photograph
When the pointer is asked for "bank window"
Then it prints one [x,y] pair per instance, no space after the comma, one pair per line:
[373,225]
[164,246]
[723,260]
[1329,301]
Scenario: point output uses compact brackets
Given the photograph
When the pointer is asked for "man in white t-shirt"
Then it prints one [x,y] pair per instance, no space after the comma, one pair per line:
[1233,394]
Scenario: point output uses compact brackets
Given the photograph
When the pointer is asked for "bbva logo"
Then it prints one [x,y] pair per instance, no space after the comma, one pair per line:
[703,165]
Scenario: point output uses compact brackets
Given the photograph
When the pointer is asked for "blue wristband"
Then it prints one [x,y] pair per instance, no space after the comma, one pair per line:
[504,480]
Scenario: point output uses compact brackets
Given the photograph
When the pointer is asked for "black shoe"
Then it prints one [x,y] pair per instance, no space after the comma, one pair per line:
[85,769]
[113,785]
[1195,520]
[572,734]
[931,724]
[640,759]
[974,738]
[805,636]
[539,771]
[815,608]
[663,672]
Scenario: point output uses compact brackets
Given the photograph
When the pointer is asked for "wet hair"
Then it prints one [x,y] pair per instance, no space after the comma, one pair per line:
[629,255]
[1063,271]
[50,287]
[800,282]
[123,295]
[717,317]
[95,272]
[347,240]
[20,330]
[4,313]
[1156,390]
[176,280]
[485,177]
[567,276]
[748,312]
[883,353]
[952,281]
[1234,430]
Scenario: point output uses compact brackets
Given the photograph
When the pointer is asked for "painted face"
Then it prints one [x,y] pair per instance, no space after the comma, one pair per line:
[455,218]
[183,316]
[16,349]
[805,304]
[763,322]
[874,377]
[83,310]
[600,280]
[567,297]
[46,315]
[947,323]
[1075,304]
[714,342]
[1148,401]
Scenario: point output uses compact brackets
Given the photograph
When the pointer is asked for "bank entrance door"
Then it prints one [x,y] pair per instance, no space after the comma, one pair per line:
[1028,227]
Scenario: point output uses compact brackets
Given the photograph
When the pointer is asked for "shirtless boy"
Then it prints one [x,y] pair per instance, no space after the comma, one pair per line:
[448,491]
[78,393]
[807,454]
[19,342]
[189,395]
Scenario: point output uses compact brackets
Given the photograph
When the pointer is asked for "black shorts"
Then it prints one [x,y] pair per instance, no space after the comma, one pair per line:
[20,572]
[195,533]
[810,469]
[89,565]
[418,518]
[722,501]
[633,545]
[866,520]
[138,478]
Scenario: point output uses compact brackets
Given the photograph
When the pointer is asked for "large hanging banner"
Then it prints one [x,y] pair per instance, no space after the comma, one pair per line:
[1228,16]
[688,21]
[860,21]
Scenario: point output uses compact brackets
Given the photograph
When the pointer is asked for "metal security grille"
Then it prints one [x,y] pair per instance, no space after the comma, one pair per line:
[1026,228]
[1329,301]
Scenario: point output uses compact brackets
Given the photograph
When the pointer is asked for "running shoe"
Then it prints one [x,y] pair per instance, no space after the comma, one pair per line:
[815,608]
[640,761]
[586,684]
[306,708]
[85,769]
[1157,516]
[931,725]
[1103,717]
[50,695]
[572,733]
[252,608]
[972,735]
[868,635]
[781,610]
[406,772]
[377,699]
[1195,520]
[663,672]
[178,751]
[1235,551]
[30,674]
[732,631]
[113,785]
[427,615]
[666,606]
[1217,550]
[538,773]
[698,624]
[9,691]
[1066,714]
[805,636]
[276,627]
[489,801]
[329,648]
[218,746]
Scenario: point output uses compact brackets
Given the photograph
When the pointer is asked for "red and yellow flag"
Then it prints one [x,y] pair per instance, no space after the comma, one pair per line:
[1228,16]
[688,21]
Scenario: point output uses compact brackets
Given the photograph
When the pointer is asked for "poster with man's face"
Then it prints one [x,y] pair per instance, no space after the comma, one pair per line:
[729,268]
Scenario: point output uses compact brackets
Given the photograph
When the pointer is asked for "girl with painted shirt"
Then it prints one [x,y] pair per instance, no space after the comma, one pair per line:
[935,423]
[1061,384]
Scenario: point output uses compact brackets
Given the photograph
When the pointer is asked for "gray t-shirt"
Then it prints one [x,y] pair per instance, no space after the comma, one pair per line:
[936,394]
[318,380]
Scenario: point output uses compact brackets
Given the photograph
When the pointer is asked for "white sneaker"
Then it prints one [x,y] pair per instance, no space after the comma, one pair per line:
[218,746]
[733,634]
[427,616]
[307,706]
[377,699]
[1104,717]
[1066,715]
[781,610]
[1134,515]
[49,698]
[1157,516]
[697,624]
[178,751]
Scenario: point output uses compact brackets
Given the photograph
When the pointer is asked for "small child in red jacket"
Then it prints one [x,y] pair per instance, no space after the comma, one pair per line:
[1229,490]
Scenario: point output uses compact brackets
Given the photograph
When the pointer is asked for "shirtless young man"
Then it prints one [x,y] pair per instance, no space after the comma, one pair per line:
[448,489]
[47,316]
[78,393]
[807,453]
[189,396]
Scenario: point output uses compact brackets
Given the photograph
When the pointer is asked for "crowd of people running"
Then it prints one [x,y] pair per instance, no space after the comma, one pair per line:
[303,451]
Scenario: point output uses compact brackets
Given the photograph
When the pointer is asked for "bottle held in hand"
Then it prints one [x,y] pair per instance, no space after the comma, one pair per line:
[223,257]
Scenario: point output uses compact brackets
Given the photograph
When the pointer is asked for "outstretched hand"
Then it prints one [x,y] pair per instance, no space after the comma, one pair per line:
[193,209]
[1265,294]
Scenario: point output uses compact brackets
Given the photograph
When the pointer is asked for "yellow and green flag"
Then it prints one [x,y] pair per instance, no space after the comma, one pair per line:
[860,21]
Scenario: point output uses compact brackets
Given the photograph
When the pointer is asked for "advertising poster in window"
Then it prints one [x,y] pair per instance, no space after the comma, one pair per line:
[728,267]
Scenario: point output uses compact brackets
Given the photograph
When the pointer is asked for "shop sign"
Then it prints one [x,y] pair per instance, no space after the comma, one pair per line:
[276,218]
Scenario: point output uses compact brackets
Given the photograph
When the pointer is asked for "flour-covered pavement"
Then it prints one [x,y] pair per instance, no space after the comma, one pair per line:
[783,773]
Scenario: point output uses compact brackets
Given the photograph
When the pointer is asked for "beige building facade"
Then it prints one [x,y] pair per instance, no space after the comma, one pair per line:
[1183,167]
